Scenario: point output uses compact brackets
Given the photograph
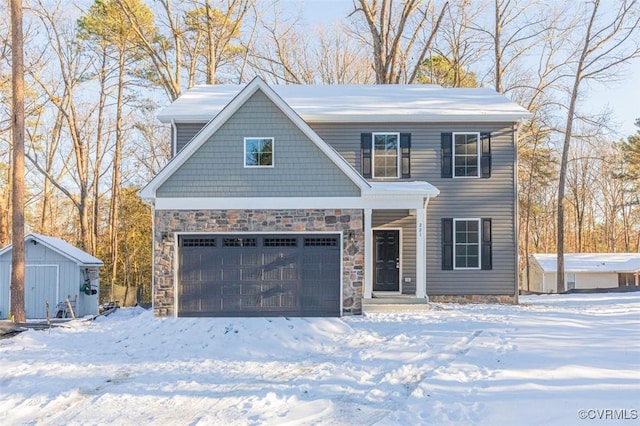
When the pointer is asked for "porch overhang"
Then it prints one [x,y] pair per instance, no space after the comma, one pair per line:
[398,195]
[414,188]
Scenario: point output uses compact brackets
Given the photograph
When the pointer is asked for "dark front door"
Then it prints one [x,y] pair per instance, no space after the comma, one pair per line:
[387,257]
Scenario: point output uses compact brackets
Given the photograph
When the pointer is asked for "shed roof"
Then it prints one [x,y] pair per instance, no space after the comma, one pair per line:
[591,262]
[359,103]
[79,256]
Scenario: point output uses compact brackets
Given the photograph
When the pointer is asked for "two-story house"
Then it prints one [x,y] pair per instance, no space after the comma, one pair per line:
[312,200]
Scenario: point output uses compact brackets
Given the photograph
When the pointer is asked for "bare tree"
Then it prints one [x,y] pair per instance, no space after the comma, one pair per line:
[193,36]
[289,52]
[509,46]
[630,176]
[456,47]
[608,43]
[397,36]
[63,94]
[218,27]
[148,147]
[520,33]
[282,56]
[17,193]
[339,60]
[5,126]
[581,180]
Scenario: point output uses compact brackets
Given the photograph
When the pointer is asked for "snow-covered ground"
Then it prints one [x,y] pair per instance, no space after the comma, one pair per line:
[537,363]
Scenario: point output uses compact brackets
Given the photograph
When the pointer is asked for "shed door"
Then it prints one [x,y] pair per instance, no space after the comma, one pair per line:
[259,275]
[40,286]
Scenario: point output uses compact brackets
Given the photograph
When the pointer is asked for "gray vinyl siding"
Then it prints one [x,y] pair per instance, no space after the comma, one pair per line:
[217,169]
[401,219]
[185,132]
[459,198]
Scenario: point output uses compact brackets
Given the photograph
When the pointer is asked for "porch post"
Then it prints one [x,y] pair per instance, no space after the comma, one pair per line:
[368,255]
[421,260]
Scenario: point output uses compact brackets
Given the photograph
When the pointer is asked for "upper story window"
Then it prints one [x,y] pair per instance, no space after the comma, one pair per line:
[258,152]
[466,158]
[465,155]
[386,155]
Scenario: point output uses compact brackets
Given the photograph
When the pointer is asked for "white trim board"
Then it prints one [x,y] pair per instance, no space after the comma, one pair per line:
[388,202]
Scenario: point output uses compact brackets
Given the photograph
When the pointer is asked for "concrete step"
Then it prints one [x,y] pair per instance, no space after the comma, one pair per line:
[394,304]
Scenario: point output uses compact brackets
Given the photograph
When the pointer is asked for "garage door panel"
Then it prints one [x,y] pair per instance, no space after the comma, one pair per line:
[259,275]
[250,259]
[210,272]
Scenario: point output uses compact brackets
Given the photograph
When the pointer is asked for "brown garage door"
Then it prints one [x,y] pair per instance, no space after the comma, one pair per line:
[259,275]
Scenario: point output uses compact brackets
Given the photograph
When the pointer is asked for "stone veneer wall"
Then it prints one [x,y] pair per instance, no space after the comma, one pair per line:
[167,222]
[475,298]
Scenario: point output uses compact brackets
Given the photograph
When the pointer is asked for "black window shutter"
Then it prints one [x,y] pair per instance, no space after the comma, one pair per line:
[405,147]
[485,160]
[447,244]
[366,143]
[445,155]
[487,261]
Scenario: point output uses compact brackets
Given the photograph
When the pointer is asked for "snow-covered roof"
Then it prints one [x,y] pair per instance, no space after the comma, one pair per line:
[403,188]
[591,262]
[359,103]
[64,248]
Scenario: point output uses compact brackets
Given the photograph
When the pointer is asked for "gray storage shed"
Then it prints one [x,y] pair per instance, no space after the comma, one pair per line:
[54,269]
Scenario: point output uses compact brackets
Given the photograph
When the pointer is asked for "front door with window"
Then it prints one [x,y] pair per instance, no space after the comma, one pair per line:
[387,260]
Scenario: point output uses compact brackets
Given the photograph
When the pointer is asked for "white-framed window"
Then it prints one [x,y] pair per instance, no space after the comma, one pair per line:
[570,280]
[466,154]
[386,155]
[258,152]
[466,243]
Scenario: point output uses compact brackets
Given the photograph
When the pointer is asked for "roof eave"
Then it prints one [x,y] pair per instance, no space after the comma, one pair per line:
[374,118]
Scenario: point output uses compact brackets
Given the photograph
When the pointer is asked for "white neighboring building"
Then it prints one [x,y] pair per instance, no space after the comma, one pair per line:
[584,271]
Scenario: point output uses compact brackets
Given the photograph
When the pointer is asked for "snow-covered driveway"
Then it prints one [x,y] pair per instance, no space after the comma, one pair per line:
[537,363]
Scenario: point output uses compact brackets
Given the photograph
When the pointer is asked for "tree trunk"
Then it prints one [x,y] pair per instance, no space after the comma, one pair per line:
[496,47]
[390,57]
[5,213]
[211,45]
[98,155]
[115,183]
[17,194]
[568,132]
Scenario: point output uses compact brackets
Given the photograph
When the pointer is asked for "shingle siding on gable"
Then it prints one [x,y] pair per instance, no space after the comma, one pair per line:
[186,132]
[459,198]
[217,169]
